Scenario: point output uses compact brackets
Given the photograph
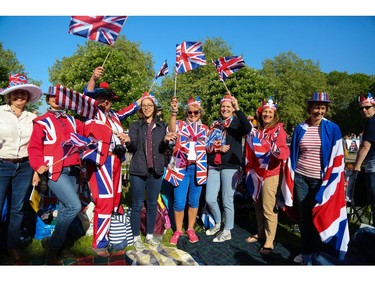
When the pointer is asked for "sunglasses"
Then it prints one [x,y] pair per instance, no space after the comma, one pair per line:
[365,107]
[195,112]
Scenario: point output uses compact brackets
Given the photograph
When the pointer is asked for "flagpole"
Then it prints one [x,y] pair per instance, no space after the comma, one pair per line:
[175,85]
[152,86]
[226,87]
[106,57]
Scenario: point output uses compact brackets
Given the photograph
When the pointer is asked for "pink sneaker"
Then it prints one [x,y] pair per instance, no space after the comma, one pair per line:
[174,238]
[193,238]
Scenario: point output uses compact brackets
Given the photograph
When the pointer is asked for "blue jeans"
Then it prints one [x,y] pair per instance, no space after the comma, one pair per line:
[15,180]
[138,185]
[66,190]
[305,190]
[227,179]
[187,186]
[370,183]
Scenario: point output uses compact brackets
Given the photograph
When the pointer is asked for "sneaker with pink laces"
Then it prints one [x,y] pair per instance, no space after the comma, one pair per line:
[174,238]
[193,238]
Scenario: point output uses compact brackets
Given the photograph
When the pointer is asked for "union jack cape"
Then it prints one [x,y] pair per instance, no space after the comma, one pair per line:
[104,29]
[188,133]
[329,213]
[189,56]
[226,66]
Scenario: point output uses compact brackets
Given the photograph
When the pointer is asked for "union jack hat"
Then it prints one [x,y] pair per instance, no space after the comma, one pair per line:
[227,98]
[19,82]
[363,99]
[149,96]
[197,101]
[319,97]
[269,104]
[103,91]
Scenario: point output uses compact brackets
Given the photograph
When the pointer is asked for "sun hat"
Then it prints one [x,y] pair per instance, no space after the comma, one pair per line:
[362,99]
[319,97]
[19,82]
[103,91]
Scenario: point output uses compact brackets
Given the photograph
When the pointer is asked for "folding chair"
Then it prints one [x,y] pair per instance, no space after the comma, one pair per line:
[359,206]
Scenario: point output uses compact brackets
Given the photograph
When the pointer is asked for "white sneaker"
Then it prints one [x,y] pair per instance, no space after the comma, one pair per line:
[138,245]
[152,242]
[298,259]
[213,230]
[221,237]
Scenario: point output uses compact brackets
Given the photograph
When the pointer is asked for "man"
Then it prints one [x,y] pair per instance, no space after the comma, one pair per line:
[366,152]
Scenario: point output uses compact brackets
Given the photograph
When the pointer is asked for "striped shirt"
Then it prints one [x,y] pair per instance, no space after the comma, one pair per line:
[308,163]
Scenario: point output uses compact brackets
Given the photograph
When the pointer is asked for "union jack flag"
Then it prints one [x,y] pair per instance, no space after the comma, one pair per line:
[76,143]
[329,214]
[72,100]
[226,66]
[163,70]
[17,79]
[189,55]
[104,29]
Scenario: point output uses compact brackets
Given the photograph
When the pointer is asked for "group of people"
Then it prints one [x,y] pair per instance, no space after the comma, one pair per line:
[204,158]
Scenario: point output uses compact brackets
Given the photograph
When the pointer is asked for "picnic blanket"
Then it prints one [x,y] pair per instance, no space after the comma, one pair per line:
[160,255]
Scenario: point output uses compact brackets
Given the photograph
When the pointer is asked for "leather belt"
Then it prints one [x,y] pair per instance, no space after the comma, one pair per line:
[15,160]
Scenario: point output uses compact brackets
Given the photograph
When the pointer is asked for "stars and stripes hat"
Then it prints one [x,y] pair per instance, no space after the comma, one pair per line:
[103,91]
[363,100]
[319,97]
[19,82]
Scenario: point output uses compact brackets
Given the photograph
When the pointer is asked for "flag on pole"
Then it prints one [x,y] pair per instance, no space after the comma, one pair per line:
[189,56]
[163,70]
[72,100]
[76,143]
[104,29]
[226,66]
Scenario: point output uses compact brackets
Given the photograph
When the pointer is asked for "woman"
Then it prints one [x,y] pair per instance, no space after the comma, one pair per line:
[16,175]
[50,131]
[315,175]
[265,152]
[187,170]
[147,142]
[224,148]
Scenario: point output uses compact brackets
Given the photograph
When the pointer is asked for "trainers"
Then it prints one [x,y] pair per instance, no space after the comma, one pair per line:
[138,245]
[193,238]
[152,242]
[213,230]
[175,237]
[221,237]
[298,259]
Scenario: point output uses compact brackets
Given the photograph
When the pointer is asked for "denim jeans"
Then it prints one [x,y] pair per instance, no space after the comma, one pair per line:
[188,187]
[227,179]
[15,180]
[66,190]
[305,190]
[370,183]
[151,184]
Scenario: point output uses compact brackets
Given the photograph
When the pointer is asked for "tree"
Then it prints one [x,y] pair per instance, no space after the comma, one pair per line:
[128,70]
[293,80]
[9,64]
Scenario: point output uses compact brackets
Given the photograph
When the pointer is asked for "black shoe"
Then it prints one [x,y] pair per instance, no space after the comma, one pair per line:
[51,254]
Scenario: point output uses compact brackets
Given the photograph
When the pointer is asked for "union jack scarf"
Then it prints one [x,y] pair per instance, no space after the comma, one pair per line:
[258,146]
[188,132]
[329,213]
[217,137]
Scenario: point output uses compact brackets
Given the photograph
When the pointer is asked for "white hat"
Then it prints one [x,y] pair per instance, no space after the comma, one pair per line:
[19,82]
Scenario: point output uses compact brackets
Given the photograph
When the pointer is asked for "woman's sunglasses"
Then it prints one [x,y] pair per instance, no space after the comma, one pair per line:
[195,112]
[364,107]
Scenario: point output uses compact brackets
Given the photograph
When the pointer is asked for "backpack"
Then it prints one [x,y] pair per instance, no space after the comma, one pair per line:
[159,224]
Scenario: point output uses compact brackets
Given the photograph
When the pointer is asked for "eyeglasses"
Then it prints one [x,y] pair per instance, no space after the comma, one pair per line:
[147,105]
[195,112]
[365,107]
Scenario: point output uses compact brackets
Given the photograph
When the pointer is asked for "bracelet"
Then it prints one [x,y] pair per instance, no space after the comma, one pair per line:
[175,111]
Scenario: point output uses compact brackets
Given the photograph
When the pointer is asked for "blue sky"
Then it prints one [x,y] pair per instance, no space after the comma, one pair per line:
[338,42]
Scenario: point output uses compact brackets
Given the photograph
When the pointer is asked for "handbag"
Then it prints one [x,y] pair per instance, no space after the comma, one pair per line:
[120,232]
